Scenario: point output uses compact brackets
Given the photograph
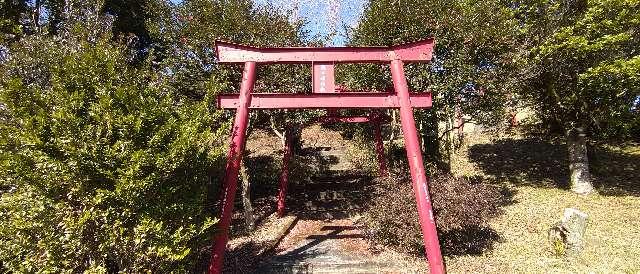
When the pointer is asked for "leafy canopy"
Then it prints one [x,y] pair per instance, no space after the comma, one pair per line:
[581,64]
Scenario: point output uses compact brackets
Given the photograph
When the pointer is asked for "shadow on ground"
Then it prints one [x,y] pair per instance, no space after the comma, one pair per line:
[317,192]
[541,163]
[523,162]
[335,195]
[309,249]
[616,173]
[319,251]
[470,240]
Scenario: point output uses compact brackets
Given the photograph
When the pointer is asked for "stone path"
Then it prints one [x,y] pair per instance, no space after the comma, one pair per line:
[332,246]
[326,237]
[324,207]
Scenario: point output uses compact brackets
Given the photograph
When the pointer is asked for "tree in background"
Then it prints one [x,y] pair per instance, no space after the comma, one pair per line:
[131,19]
[11,12]
[104,167]
[581,72]
[24,17]
[109,147]
[189,52]
[186,41]
[472,56]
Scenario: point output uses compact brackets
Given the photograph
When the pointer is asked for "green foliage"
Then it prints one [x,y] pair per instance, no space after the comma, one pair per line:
[186,36]
[130,17]
[472,49]
[10,14]
[109,141]
[581,63]
[103,166]
[471,60]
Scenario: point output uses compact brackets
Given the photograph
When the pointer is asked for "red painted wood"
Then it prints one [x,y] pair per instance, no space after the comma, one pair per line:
[234,157]
[284,175]
[420,51]
[324,100]
[377,135]
[416,166]
[323,77]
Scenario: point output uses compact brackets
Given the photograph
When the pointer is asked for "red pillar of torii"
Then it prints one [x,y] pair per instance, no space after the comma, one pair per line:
[325,97]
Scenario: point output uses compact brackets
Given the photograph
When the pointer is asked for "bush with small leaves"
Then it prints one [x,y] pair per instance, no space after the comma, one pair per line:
[461,210]
[103,167]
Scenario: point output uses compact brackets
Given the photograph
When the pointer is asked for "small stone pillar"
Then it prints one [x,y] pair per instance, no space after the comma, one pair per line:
[566,237]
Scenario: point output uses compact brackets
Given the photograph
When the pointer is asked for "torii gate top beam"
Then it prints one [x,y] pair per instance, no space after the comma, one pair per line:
[419,51]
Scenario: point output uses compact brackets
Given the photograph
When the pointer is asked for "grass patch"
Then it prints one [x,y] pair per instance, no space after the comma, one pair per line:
[611,237]
[534,169]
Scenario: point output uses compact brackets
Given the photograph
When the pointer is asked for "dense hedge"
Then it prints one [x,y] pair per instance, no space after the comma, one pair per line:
[102,166]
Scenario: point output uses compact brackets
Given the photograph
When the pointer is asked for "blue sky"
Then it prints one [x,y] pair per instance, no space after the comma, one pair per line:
[322,17]
[326,16]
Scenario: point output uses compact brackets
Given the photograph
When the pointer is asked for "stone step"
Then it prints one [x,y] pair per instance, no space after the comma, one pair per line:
[330,195]
[327,267]
[338,176]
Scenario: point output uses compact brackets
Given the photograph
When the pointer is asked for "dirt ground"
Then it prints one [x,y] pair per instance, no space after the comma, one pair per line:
[328,203]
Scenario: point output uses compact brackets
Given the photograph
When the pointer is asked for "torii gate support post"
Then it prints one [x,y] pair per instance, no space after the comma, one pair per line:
[416,166]
[284,175]
[238,134]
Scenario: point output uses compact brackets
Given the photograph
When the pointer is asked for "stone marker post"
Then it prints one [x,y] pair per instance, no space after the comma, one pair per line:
[567,237]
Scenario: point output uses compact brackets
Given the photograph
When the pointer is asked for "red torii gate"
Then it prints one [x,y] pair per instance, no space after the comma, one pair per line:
[325,97]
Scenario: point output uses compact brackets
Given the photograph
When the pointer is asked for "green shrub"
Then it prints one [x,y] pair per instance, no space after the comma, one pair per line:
[103,167]
[461,210]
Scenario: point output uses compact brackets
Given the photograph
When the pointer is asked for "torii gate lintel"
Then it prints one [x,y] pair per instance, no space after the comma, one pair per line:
[325,95]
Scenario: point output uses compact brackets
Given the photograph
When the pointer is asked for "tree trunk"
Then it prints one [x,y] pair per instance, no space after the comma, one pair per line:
[296,138]
[579,162]
[246,197]
[36,14]
[394,125]
[275,130]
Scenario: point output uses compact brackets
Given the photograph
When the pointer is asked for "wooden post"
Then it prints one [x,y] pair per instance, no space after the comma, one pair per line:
[416,166]
[230,184]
